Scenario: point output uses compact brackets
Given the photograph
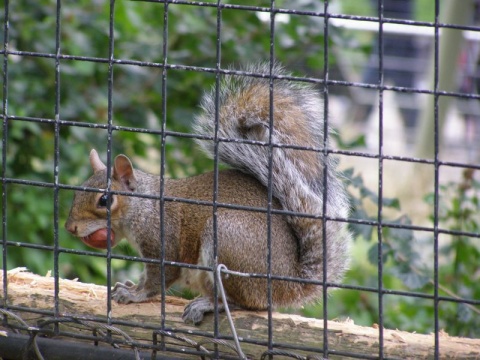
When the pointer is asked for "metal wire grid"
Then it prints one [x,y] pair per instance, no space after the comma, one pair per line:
[220,71]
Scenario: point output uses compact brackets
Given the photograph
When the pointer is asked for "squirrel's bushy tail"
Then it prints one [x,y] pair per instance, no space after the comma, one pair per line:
[297,175]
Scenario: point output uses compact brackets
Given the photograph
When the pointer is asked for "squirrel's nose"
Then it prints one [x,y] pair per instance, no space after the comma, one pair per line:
[72,228]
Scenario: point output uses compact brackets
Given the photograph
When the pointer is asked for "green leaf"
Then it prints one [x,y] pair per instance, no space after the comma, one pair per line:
[369,194]
[357,181]
[348,173]
[411,279]
[372,254]
[364,231]
[359,141]
[393,203]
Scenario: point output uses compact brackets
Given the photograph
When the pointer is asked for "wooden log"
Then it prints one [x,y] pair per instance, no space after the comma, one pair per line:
[82,307]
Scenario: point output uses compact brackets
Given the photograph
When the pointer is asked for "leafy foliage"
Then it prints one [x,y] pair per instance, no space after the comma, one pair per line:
[407,262]
[458,274]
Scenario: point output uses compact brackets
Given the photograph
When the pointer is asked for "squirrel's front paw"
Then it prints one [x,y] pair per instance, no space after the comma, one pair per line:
[197,308]
[128,292]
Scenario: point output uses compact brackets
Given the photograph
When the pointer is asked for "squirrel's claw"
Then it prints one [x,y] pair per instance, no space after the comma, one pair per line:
[197,308]
[127,284]
[128,292]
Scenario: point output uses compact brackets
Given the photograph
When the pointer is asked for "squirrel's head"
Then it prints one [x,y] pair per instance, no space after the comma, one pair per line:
[88,214]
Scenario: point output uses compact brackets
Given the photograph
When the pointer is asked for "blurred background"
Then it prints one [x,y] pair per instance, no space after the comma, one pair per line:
[394,123]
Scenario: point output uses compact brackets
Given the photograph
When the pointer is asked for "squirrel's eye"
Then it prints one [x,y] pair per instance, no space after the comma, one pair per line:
[103,201]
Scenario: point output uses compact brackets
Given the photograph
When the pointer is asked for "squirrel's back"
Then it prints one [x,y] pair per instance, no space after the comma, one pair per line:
[292,149]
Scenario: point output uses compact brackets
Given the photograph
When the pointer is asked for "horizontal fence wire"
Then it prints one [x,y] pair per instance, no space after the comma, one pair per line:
[311,80]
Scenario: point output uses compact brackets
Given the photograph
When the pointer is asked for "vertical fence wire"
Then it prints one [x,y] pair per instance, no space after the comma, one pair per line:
[4,149]
[380,178]
[436,181]
[325,172]
[111,37]
[163,141]
[270,173]
[216,163]
[56,163]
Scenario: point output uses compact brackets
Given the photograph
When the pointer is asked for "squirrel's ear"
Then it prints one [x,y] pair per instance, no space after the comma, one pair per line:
[123,172]
[95,161]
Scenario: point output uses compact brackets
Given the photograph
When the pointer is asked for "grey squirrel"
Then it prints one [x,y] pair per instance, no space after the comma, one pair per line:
[297,178]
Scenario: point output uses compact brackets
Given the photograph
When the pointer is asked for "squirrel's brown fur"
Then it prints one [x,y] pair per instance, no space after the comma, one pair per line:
[298,185]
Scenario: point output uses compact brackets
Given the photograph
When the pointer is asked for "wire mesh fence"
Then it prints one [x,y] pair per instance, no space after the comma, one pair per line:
[399,83]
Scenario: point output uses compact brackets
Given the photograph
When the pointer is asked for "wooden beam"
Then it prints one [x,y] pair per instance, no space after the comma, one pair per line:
[83,309]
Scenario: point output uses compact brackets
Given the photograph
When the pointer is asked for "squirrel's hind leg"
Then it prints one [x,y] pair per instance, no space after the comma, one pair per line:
[197,308]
